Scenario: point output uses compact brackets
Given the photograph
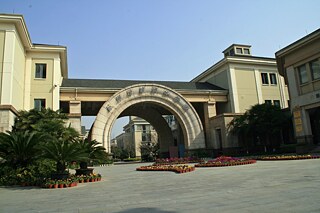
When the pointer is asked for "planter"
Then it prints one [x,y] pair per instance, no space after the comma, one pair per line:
[59,176]
[55,186]
[60,185]
[87,171]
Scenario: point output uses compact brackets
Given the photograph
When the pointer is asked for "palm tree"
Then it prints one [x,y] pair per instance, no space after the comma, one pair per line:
[46,121]
[20,149]
[93,150]
[63,152]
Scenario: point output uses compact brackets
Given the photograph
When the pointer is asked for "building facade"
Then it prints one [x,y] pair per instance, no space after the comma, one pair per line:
[30,74]
[299,63]
[36,75]
[250,80]
[140,132]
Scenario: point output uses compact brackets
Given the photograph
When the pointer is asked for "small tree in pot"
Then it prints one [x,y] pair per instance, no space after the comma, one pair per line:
[63,152]
[94,152]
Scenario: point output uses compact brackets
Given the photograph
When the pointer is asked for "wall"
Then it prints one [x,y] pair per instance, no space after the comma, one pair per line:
[6,120]
[246,87]
[42,88]
[220,78]
[229,140]
[2,39]
[18,77]
[273,92]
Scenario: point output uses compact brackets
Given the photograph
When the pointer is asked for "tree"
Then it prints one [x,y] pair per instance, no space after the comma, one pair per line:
[93,150]
[46,121]
[63,152]
[260,123]
[149,152]
[116,151]
[20,149]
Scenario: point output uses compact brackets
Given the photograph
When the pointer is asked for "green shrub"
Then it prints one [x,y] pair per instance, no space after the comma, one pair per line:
[33,174]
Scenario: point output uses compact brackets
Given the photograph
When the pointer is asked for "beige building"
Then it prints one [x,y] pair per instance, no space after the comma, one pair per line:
[36,75]
[140,132]
[30,74]
[250,80]
[299,63]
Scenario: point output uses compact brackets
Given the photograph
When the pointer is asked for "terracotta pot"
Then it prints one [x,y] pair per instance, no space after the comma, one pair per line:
[60,185]
[55,186]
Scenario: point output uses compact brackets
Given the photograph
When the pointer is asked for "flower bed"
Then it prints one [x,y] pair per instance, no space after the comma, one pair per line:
[166,161]
[226,161]
[287,157]
[71,181]
[173,168]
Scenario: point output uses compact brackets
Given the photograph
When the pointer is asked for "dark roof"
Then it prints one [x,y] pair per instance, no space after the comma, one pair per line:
[120,84]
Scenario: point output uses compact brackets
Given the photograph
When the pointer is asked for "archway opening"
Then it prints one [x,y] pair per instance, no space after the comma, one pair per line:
[151,102]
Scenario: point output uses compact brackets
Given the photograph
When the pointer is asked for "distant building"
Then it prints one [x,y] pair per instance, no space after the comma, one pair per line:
[250,80]
[299,63]
[136,133]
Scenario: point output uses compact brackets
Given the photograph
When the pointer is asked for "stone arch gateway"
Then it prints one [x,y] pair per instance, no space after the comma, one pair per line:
[163,96]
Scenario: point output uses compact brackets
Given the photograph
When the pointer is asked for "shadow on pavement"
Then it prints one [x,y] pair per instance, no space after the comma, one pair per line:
[145,209]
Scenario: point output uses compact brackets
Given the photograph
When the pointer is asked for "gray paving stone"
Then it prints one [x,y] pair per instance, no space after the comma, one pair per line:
[283,186]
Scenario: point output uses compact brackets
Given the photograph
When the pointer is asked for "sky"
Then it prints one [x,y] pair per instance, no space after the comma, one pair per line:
[172,40]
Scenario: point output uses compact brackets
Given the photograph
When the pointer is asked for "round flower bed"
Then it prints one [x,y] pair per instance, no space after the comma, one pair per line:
[173,168]
[287,157]
[166,161]
[226,161]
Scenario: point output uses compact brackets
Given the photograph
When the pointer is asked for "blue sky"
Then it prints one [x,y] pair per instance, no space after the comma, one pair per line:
[161,40]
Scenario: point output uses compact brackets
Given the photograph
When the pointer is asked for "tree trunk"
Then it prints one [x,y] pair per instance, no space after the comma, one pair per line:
[61,167]
[83,165]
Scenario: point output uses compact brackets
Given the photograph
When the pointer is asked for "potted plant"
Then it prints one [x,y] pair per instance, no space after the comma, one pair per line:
[62,152]
[61,183]
[94,152]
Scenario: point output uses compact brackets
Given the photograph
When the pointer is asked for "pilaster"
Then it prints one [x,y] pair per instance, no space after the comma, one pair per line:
[75,115]
[209,112]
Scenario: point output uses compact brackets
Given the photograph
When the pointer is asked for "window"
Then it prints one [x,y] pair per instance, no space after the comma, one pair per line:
[39,104]
[273,79]
[268,102]
[239,50]
[246,51]
[146,137]
[41,71]
[303,75]
[232,52]
[264,78]
[276,103]
[315,69]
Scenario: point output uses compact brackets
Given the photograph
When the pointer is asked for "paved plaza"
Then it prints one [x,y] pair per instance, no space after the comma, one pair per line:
[282,186]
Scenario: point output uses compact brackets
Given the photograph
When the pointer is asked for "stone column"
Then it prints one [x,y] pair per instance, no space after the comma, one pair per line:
[209,112]
[7,116]
[75,115]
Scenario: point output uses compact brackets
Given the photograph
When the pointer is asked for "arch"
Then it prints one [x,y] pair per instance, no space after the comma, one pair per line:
[157,94]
